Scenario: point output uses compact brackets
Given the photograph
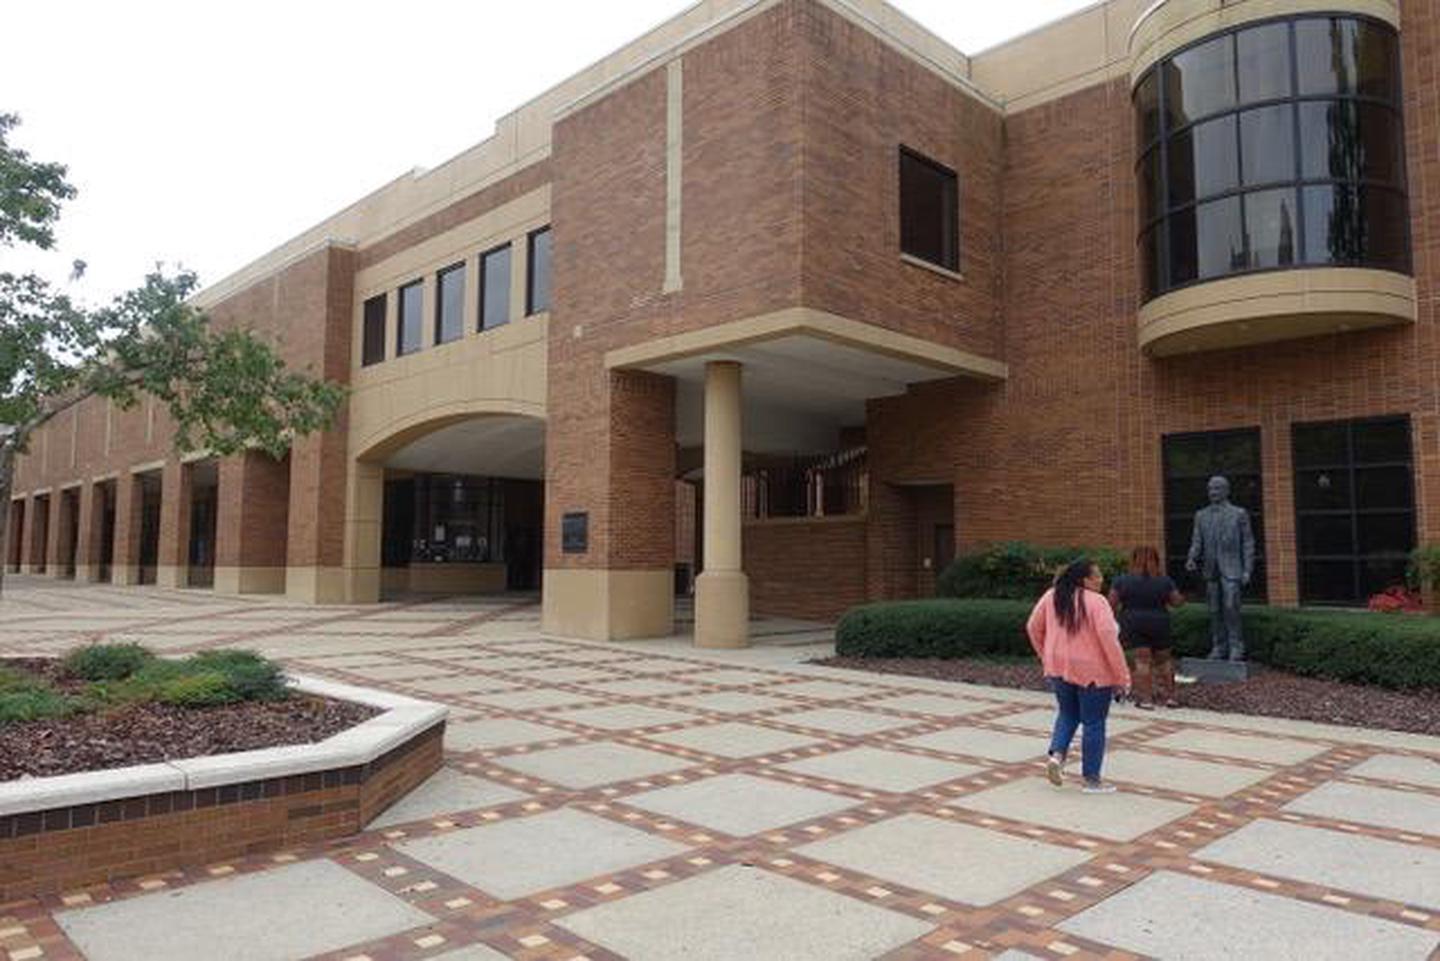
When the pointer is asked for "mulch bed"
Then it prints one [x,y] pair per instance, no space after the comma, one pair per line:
[147,733]
[1268,693]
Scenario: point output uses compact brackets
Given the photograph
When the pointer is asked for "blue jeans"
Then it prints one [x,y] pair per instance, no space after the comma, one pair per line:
[1088,706]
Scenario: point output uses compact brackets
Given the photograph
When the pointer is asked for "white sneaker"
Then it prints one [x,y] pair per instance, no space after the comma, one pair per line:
[1055,770]
[1098,787]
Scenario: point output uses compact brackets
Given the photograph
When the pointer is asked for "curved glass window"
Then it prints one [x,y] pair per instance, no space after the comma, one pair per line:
[1273,145]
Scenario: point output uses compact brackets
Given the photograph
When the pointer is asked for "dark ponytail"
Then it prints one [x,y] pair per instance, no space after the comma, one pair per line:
[1069,602]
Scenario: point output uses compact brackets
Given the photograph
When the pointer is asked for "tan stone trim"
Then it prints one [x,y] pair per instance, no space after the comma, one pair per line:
[174,576]
[148,467]
[105,478]
[245,278]
[316,585]
[807,322]
[608,605]
[249,580]
[674,158]
[196,456]
[74,485]
[923,264]
[42,492]
[1171,24]
[1277,305]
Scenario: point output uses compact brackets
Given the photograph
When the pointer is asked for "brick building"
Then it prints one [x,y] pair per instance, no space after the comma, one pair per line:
[795,289]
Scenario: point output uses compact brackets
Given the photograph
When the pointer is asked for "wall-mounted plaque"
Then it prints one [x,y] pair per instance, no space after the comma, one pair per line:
[575,533]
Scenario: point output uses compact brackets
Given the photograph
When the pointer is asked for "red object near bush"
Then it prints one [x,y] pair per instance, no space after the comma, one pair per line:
[1397,600]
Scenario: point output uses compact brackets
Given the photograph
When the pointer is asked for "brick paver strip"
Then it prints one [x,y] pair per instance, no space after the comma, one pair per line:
[1026,923]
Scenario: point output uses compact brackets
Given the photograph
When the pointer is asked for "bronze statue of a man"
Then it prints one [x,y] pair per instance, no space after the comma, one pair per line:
[1223,548]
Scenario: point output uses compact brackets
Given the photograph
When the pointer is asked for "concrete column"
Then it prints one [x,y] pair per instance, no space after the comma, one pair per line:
[173,567]
[54,531]
[722,592]
[364,509]
[125,567]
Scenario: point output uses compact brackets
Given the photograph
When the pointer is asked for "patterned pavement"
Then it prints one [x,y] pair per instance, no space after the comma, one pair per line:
[649,801]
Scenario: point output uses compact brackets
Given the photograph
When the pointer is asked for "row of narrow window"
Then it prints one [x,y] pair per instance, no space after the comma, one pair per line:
[450,284]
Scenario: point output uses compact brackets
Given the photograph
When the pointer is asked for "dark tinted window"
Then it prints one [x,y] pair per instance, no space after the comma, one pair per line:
[929,211]
[537,289]
[1190,460]
[1354,507]
[1230,127]
[495,288]
[450,304]
[373,335]
[411,321]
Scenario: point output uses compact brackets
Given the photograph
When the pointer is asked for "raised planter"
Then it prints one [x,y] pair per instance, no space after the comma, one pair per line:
[65,832]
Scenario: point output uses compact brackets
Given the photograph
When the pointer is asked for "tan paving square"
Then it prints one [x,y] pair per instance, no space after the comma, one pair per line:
[735,740]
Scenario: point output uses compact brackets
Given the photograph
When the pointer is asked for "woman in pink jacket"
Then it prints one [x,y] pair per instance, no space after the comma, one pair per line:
[1074,634]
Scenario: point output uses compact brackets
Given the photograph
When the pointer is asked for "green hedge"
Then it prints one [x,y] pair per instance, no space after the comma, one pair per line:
[1400,652]
[1017,570]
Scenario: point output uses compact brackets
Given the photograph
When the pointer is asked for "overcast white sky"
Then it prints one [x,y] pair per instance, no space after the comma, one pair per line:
[207,134]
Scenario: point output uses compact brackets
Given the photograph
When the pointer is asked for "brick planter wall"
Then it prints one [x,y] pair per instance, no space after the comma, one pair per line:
[48,852]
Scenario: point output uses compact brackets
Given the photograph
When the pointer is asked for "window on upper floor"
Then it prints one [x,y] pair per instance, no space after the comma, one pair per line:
[495,288]
[1275,145]
[929,210]
[409,335]
[373,332]
[537,272]
[450,304]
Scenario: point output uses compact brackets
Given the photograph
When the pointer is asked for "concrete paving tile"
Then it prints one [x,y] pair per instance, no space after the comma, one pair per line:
[512,859]
[826,690]
[730,677]
[1172,916]
[591,765]
[505,662]
[1420,771]
[1119,817]
[641,687]
[1205,778]
[944,858]
[1042,720]
[1247,747]
[740,804]
[737,912]
[882,770]
[402,672]
[446,792]
[982,742]
[842,721]
[656,665]
[569,674]
[621,717]
[475,952]
[592,655]
[463,684]
[1384,807]
[729,702]
[1354,863]
[278,915]
[532,699]
[937,704]
[733,739]
[498,732]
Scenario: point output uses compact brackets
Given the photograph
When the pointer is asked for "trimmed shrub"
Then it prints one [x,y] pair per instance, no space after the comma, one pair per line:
[249,675]
[1016,570]
[33,704]
[107,662]
[201,689]
[1354,646]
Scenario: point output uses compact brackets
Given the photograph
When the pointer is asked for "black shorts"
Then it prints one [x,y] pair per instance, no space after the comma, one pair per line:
[1145,629]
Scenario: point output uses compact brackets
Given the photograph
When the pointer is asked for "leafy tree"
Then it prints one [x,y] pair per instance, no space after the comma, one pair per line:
[226,390]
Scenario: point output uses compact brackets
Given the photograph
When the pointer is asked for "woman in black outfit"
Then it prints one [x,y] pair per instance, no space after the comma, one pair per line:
[1143,598]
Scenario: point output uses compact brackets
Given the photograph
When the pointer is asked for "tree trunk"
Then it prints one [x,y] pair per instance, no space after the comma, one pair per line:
[7,477]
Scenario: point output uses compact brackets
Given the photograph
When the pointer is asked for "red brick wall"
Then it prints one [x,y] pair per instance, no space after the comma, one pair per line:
[812,569]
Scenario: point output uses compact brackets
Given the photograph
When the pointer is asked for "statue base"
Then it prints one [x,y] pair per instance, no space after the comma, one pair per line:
[1206,671]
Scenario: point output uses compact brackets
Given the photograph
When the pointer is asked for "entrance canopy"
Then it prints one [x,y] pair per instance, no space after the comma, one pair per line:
[807,374]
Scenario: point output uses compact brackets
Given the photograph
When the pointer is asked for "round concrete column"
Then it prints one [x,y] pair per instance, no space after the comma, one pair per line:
[722,591]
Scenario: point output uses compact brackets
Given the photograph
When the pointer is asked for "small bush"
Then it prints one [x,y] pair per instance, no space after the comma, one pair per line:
[250,676]
[13,681]
[1352,646]
[201,689]
[34,704]
[1015,570]
[107,662]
